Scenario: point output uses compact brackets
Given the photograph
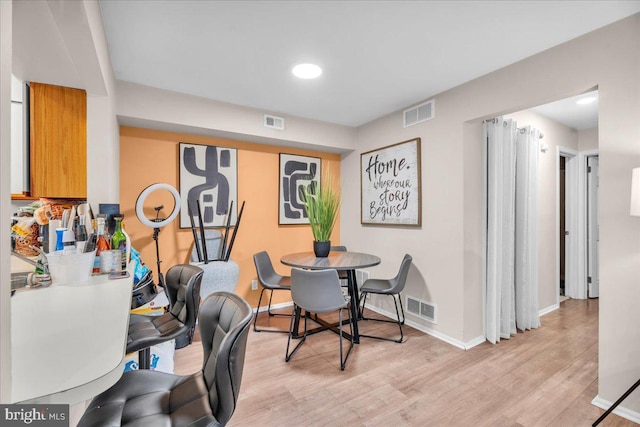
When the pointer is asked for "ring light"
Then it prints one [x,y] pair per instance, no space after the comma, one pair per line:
[143,196]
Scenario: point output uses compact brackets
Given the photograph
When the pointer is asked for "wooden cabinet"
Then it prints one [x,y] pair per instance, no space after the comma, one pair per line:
[58,146]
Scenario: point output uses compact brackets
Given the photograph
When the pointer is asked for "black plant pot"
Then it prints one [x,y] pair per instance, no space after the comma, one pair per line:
[322,249]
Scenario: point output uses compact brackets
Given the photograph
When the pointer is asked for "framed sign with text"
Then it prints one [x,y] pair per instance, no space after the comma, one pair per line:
[390,185]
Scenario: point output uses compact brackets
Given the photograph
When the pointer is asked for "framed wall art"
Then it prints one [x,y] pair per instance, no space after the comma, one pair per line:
[390,187]
[295,173]
[208,174]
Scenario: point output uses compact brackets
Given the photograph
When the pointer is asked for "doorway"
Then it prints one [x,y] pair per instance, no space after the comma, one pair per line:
[563,223]
[593,227]
[567,224]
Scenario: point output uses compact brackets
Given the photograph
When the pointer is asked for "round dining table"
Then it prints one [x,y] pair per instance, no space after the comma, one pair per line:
[340,261]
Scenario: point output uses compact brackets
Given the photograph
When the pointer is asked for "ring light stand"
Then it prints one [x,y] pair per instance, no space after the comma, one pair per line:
[157,223]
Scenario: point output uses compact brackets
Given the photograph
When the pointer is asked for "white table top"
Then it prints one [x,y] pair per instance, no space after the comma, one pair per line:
[68,341]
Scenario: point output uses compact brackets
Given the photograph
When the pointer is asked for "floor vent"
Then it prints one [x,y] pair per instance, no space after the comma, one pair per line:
[419,113]
[273,122]
[423,309]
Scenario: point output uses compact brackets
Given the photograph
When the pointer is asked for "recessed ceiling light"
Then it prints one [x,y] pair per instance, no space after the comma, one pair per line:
[306,71]
[587,100]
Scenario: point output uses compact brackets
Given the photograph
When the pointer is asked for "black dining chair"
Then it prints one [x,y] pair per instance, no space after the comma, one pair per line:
[343,275]
[183,291]
[269,280]
[317,291]
[206,398]
[391,287]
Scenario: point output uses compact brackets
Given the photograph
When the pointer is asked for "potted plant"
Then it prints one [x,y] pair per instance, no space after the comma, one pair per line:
[321,205]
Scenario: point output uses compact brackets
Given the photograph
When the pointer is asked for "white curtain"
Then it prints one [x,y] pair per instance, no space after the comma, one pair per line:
[511,273]
[527,314]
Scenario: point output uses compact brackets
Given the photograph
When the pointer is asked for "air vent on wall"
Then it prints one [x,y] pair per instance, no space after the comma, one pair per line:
[423,309]
[419,113]
[361,276]
[273,122]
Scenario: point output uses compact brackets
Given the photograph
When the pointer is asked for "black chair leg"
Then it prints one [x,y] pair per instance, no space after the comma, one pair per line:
[343,362]
[399,322]
[288,355]
[255,318]
[402,308]
[269,307]
[144,358]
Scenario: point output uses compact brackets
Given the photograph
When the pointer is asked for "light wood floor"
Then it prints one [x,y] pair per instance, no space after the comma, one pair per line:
[545,377]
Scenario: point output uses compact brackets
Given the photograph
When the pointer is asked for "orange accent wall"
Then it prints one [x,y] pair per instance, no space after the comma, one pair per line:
[149,156]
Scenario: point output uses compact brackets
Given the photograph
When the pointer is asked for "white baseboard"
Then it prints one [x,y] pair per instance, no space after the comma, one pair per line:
[422,328]
[275,306]
[620,411]
[474,342]
[549,309]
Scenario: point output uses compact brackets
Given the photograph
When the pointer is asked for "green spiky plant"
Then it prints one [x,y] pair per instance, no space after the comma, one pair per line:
[322,207]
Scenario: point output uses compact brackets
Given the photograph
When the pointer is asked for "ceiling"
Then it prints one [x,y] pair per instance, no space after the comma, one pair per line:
[377,57]
[569,113]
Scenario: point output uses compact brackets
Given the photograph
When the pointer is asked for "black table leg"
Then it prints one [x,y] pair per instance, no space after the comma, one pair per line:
[355,303]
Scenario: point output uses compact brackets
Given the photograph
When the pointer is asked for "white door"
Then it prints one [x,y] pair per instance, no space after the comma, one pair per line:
[593,228]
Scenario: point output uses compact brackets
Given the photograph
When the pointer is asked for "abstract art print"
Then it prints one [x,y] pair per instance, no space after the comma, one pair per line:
[208,174]
[296,172]
[390,185]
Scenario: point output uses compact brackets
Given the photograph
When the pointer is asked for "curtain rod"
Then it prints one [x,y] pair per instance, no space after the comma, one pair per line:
[494,120]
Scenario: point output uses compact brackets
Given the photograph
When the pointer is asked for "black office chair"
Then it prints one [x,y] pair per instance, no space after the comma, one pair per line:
[317,291]
[183,291]
[391,287]
[206,398]
[272,281]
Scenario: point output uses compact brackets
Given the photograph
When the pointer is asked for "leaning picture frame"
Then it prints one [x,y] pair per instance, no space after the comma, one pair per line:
[390,185]
[209,174]
[295,172]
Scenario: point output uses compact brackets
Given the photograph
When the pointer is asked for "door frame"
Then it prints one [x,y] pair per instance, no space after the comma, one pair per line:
[576,200]
[572,214]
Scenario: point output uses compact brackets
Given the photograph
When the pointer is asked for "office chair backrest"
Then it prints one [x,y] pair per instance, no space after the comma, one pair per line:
[183,289]
[316,291]
[224,327]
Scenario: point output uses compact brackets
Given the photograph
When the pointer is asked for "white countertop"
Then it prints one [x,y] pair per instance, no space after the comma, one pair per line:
[68,341]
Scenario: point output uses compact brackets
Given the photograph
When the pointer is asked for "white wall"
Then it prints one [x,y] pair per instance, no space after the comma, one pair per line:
[147,107]
[447,249]
[588,139]
[103,137]
[5,199]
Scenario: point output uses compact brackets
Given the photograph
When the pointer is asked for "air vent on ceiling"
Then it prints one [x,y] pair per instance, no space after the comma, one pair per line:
[423,309]
[273,122]
[419,113]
